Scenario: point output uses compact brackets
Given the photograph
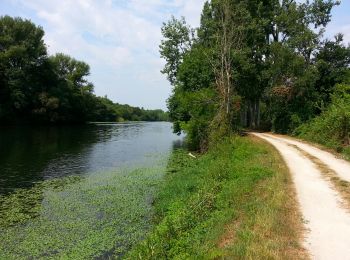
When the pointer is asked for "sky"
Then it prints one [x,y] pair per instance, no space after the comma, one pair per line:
[119,39]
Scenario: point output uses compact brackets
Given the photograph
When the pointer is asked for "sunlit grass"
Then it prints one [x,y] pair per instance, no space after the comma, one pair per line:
[234,202]
[104,214]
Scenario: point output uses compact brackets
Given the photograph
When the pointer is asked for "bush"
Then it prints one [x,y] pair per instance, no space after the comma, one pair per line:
[332,127]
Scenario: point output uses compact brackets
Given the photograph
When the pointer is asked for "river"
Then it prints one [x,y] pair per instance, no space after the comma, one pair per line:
[80,192]
[32,154]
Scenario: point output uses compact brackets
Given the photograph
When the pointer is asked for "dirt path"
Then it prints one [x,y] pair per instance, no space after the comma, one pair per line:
[339,166]
[326,221]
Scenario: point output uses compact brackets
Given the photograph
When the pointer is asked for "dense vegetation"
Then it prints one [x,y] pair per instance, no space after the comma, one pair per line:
[256,64]
[37,88]
[332,127]
[234,202]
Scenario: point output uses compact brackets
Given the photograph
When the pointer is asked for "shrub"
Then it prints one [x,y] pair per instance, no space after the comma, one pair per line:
[332,127]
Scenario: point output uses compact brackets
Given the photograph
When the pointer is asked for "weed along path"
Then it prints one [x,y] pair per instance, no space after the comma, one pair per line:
[326,219]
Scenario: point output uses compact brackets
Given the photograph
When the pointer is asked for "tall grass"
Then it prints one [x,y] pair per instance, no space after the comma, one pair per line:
[236,201]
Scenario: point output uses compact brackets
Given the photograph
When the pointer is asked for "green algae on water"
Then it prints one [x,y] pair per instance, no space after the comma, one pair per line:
[103,214]
[25,204]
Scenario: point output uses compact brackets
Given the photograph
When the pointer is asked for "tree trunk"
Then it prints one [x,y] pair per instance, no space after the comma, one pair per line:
[244,111]
[252,114]
[258,113]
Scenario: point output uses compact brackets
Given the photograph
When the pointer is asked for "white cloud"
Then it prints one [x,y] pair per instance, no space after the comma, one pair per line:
[118,36]
[346,32]
[345,29]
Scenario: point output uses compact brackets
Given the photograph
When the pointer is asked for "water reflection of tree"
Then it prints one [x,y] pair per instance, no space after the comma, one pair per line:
[26,151]
[32,154]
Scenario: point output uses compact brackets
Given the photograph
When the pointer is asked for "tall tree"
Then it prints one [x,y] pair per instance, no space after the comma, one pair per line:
[332,62]
[253,54]
[22,55]
[229,41]
[177,40]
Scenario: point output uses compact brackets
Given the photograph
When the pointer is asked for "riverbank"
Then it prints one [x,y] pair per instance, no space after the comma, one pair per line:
[236,201]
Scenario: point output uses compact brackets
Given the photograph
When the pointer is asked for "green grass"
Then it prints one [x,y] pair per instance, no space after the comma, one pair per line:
[234,202]
[102,215]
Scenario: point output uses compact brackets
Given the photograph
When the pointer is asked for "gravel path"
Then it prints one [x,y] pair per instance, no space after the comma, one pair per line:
[326,221]
[339,166]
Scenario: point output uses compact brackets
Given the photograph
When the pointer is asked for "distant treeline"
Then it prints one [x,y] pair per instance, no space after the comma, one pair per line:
[107,111]
[38,88]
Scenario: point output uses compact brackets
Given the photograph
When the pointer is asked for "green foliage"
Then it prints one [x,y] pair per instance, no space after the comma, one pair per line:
[332,127]
[193,101]
[22,58]
[251,54]
[177,41]
[332,63]
[189,71]
[107,111]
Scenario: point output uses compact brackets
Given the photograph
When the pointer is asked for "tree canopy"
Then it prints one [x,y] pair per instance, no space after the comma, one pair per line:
[257,64]
[38,88]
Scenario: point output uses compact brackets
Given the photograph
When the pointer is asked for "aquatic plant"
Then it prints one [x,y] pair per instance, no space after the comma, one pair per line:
[103,214]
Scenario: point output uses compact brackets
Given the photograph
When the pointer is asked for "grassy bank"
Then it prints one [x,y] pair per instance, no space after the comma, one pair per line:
[236,201]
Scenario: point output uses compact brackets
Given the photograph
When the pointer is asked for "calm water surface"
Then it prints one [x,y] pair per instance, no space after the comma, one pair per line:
[32,154]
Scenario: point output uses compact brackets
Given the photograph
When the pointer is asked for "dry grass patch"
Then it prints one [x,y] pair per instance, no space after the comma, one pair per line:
[229,235]
[338,184]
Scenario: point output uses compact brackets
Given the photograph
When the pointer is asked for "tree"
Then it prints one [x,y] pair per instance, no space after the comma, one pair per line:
[332,62]
[177,40]
[35,88]
[22,56]
[292,40]
[249,54]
